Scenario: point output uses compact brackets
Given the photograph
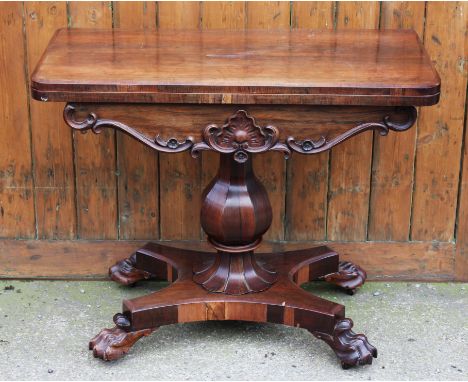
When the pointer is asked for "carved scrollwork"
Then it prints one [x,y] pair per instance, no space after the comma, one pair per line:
[351,348]
[92,122]
[349,277]
[240,135]
[125,272]
[308,146]
[112,344]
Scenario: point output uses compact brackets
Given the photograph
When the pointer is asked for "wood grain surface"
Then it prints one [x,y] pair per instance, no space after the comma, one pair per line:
[441,127]
[269,167]
[17,209]
[179,175]
[226,16]
[138,172]
[51,142]
[349,186]
[393,157]
[350,67]
[307,176]
[95,157]
[39,171]
[461,258]
[80,259]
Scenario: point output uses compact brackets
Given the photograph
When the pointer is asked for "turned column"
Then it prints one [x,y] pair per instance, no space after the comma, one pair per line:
[235,214]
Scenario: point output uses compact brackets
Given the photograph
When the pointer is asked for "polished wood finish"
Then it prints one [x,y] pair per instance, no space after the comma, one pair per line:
[318,129]
[284,303]
[298,187]
[236,283]
[244,214]
[126,273]
[236,211]
[306,67]
[235,214]
[182,121]
[111,344]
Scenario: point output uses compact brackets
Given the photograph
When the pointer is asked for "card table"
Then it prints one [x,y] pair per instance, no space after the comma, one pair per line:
[239,94]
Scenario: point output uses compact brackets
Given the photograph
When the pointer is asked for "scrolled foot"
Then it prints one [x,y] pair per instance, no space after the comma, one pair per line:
[352,349]
[125,272]
[349,277]
[112,344]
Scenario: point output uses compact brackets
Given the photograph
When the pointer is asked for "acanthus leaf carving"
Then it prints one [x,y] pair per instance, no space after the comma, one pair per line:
[240,136]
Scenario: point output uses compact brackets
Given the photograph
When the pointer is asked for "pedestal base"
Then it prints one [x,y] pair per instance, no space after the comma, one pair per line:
[283,303]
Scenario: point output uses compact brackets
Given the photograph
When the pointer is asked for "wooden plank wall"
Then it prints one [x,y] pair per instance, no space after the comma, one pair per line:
[405,196]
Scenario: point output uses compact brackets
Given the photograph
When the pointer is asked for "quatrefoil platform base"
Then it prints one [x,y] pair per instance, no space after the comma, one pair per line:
[184,300]
[235,283]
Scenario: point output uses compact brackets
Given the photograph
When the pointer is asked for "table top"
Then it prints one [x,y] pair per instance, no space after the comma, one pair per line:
[352,67]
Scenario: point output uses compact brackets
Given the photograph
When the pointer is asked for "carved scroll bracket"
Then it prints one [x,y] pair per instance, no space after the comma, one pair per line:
[309,146]
[240,135]
[92,122]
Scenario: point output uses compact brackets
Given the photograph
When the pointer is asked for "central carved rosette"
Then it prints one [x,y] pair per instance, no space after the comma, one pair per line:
[240,135]
[235,213]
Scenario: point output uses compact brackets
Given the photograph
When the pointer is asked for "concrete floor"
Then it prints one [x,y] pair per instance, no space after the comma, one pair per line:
[420,330]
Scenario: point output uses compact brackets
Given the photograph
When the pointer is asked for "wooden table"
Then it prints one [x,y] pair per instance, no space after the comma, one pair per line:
[238,94]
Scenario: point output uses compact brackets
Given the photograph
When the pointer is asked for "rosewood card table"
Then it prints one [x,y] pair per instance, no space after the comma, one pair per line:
[238,94]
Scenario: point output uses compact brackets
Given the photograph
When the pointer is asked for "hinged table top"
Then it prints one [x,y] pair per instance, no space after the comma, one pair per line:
[352,67]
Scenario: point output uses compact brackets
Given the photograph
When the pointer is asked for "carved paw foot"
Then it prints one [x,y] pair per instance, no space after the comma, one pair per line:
[125,272]
[351,348]
[112,344]
[349,277]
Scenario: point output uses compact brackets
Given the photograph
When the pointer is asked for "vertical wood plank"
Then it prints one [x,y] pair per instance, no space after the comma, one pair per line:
[95,158]
[223,15]
[135,14]
[51,138]
[179,14]
[271,167]
[461,255]
[180,174]
[307,176]
[268,14]
[228,15]
[17,218]
[138,179]
[393,159]
[441,127]
[350,164]
[313,14]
